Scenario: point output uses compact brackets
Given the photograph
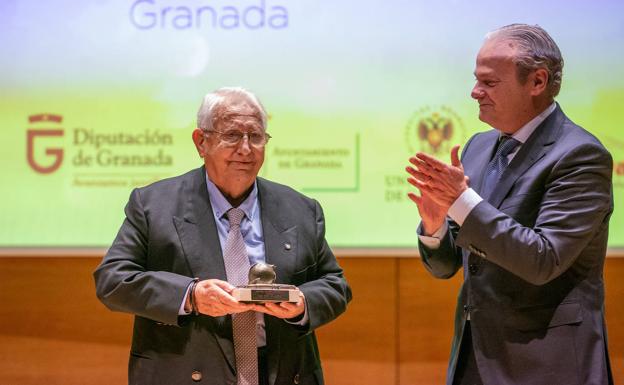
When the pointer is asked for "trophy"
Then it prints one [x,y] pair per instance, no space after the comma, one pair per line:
[261,287]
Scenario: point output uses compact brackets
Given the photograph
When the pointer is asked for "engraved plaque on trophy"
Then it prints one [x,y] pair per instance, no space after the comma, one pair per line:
[262,287]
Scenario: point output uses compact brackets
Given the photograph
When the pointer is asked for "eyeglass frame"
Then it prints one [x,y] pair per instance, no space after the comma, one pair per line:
[245,134]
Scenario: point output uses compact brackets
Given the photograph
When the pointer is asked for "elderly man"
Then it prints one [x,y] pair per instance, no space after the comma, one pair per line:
[525,213]
[188,241]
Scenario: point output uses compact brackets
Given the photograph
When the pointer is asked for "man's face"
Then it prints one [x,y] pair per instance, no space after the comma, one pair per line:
[233,168]
[504,102]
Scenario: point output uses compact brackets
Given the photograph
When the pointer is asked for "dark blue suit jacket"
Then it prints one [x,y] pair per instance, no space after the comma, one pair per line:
[169,236]
[533,259]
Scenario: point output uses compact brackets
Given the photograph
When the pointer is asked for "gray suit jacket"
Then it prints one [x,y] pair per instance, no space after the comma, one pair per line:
[533,260]
[169,236]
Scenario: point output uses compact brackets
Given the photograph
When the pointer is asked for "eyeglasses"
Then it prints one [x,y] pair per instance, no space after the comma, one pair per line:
[234,137]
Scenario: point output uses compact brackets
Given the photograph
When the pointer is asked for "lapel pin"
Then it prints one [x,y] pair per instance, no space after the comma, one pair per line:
[287,246]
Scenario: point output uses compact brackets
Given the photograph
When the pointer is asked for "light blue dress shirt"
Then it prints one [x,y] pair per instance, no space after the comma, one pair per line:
[251,228]
[250,225]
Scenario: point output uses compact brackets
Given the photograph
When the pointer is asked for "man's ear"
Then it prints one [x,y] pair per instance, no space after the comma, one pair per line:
[538,81]
[199,139]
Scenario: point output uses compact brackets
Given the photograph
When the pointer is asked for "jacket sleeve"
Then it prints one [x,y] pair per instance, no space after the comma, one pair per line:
[123,282]
[328,293]
[576,205]
[444,261]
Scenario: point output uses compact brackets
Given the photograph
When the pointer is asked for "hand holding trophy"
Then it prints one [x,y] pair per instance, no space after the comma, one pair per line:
[262,287]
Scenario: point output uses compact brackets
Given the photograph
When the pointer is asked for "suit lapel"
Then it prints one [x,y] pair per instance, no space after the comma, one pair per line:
[280,249]
[198,232]
[280,234]
[200,242]
[536,146]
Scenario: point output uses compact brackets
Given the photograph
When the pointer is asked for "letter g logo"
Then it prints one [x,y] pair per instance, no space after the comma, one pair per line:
[31,134]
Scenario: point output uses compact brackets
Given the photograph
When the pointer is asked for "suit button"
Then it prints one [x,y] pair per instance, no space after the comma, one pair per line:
[196,376]
[296,378]
[473,268]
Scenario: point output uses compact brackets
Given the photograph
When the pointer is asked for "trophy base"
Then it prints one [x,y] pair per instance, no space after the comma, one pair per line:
[266,293]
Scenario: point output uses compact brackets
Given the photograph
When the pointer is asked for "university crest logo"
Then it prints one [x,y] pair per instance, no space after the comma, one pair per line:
[433,130]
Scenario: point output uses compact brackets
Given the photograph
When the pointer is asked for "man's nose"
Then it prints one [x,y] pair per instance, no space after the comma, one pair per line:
[243,146]
[477,92]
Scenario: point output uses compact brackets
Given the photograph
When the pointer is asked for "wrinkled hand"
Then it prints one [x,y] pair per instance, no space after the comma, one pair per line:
[440,185]
[214,298]
[283,310]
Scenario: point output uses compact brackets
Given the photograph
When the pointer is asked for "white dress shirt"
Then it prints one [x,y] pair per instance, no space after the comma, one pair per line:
[463,205]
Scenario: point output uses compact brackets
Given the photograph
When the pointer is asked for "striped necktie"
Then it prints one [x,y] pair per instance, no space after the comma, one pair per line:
[497,165]
[243,324]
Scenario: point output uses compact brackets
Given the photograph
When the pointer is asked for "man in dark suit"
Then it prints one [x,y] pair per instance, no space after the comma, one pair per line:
[525,213]
[172,259]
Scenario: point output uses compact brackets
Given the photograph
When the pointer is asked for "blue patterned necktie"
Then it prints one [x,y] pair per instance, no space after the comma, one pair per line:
[243,324]
[497,165]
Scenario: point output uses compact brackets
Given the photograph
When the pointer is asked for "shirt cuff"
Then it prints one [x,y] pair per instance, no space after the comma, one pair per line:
[460,209]
[433,241]
[181,311]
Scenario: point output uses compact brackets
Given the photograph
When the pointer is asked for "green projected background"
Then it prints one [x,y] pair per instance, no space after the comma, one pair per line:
[98,97]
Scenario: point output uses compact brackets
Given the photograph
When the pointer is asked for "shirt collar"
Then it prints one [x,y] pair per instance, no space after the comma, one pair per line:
[525,131]
[220,204]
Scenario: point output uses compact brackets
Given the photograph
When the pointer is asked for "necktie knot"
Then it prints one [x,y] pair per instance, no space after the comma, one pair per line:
[235,216]
[507,145]
[497,165]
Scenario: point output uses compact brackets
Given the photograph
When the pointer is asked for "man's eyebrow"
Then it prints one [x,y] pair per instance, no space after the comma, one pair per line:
[488,74]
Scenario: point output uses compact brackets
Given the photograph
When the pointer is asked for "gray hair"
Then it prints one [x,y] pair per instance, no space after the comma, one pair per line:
[536,49]
[224,102]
